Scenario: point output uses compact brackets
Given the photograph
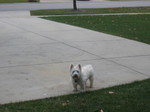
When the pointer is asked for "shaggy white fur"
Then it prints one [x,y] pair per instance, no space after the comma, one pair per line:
[80,75]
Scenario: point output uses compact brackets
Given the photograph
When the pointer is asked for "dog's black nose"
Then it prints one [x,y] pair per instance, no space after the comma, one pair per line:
[75,76]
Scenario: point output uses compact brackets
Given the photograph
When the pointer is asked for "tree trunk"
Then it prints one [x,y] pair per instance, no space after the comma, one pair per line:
[74,5]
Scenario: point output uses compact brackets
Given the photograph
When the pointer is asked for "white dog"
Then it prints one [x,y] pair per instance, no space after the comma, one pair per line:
[80,75]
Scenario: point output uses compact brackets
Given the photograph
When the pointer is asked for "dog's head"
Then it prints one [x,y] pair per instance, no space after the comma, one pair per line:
[75,72]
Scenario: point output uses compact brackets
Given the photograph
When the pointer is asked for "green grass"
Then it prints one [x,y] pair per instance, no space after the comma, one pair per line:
[133,97]
[135,27]
[13,1]
[91,11]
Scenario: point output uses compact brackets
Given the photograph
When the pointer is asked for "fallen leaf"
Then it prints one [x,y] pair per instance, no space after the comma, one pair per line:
[65,103]
[111,92]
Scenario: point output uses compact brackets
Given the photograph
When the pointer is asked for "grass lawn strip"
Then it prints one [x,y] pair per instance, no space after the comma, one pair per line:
[135,27]
[91,11]
[125,98]
[13,1]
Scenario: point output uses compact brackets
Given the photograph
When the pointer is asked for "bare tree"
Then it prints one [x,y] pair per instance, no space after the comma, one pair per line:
[74,5]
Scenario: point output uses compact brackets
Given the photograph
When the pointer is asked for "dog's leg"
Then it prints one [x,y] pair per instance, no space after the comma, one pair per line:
[91,81]
[83,86]
[75,87]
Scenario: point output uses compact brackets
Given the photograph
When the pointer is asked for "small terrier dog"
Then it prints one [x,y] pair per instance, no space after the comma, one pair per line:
[80,75]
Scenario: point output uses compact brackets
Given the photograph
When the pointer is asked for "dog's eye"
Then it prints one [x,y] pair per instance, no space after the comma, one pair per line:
[75,71]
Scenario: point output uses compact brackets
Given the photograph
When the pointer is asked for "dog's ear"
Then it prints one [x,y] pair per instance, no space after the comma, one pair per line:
[79,67]
[71,67]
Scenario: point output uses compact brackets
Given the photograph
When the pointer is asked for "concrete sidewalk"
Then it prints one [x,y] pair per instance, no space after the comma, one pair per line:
[46,1]
[35,55]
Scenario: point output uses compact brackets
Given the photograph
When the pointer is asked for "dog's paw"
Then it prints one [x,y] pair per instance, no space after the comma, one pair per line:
[75,90]
[90,86]
[83,90]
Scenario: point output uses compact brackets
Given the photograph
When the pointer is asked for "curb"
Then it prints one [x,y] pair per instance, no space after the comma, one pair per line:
[92,14]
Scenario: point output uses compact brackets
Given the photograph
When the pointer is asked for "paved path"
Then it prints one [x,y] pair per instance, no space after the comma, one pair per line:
[66,5]
[35,56]
[47,1]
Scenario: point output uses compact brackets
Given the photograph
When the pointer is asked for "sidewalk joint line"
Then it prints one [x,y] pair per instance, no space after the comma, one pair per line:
[129,56]
[128,68]
[38,64]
